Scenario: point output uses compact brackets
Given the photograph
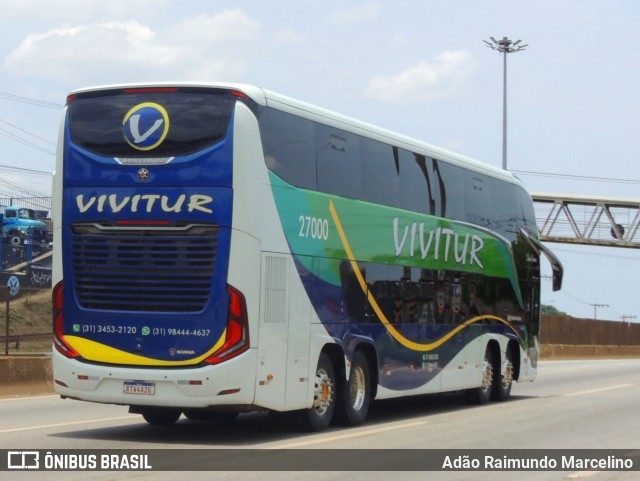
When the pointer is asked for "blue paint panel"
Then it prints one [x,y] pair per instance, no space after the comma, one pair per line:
[343,310]
[211,167]
[155,270]
[152,292]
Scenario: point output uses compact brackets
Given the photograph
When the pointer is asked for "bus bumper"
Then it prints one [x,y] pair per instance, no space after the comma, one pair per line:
[229,383]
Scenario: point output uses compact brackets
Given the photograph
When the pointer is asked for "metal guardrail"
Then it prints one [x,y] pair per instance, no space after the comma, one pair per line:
[5,299]
[39,204]
[18,338]
[7,320]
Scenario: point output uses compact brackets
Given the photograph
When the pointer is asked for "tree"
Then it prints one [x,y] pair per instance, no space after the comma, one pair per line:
[552,311]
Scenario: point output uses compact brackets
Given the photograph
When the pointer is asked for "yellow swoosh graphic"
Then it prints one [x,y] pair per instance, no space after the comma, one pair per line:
[95,351]
[416,346]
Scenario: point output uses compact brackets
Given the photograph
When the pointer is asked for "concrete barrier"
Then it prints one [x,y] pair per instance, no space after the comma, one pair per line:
[24,375]
[570,351]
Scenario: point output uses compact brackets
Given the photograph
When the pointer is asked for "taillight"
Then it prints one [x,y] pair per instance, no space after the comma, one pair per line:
[58,332]
[239,94]
[237,333]
[150,90]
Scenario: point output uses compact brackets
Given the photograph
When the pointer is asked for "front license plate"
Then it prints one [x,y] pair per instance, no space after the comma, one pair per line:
[145,388]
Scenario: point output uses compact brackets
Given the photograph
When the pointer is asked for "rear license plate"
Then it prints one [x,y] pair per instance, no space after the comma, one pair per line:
[144,388]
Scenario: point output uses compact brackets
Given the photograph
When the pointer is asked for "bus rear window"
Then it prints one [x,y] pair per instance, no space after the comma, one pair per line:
[149,123]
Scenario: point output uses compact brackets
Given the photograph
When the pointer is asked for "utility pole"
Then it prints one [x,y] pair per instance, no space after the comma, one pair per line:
[505,46]
[624,318]
[595,309]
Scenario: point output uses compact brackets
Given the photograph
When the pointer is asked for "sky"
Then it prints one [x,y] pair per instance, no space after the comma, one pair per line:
[417,68]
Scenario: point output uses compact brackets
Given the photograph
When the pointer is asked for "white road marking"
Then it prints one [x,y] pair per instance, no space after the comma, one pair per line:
[27,398]
[594,391]
[71,423]
[582,474]
[358,433]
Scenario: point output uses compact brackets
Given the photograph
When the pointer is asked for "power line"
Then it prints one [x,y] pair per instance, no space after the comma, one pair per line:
[597,254]
[25,171]
[21,190]
[20,140]
[595,306]
[27,132]
[16,138]
[576,177]
[575,298]
[31,101]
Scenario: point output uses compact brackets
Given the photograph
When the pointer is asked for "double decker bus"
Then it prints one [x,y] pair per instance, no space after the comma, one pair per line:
[221,248]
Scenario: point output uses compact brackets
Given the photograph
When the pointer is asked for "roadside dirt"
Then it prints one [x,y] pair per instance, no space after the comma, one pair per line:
[29,314]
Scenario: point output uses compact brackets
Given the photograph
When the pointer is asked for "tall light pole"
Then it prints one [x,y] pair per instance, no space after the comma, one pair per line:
[505,46]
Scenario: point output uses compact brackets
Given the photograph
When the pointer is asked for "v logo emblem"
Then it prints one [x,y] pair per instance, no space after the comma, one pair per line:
[145,126]
[134,125]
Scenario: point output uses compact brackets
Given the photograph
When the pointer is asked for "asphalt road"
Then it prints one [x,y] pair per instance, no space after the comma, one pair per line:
[572,405]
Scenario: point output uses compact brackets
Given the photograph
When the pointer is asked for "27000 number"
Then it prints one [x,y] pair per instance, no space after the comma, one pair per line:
[313,227]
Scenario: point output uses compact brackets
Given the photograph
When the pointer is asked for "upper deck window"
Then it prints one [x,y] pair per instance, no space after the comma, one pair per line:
[149,122]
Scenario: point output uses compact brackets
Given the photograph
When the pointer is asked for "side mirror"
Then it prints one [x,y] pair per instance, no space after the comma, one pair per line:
[556,265]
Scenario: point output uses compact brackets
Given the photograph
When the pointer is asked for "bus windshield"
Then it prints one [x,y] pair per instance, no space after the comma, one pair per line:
[192,119]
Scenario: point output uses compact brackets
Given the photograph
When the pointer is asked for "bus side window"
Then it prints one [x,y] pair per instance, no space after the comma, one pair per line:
[451,177]
[477,199]
[415,193]
[288,145]
[380,179]
[506,216]
[338,162]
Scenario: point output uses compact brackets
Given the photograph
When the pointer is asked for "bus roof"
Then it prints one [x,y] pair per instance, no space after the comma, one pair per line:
[293,106]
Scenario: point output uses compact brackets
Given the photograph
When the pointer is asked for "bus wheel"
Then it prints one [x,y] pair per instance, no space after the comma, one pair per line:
[319,415]
[502,383]
[482,394]
[355,399]
[161,416]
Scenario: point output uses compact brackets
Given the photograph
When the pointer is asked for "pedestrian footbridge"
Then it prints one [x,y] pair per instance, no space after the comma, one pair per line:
[588,220]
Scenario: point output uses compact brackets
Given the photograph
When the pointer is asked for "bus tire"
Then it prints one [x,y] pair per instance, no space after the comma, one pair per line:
[356,395]
[318,417]
[161,416]
[502,382]
[482,393]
